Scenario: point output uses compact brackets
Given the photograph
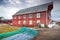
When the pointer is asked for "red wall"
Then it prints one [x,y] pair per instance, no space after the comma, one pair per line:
[34,19]
[44,18]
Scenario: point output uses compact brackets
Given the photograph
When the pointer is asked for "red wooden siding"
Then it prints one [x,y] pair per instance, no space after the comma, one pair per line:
[44,17]
[27,19]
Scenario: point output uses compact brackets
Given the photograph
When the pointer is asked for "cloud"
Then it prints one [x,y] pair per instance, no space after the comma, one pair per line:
[12,11]
[3,12]
[8,12]
[15,2]
[10,7]
[55,15]
[37,2]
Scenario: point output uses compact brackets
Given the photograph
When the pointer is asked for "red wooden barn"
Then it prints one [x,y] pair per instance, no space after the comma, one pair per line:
[30,16]
[7,21]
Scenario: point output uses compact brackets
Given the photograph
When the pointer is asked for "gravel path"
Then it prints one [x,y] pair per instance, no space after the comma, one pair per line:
[48,34]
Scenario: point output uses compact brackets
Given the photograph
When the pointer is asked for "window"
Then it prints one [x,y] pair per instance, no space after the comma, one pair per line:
[30,22]
[19,17]
[24,16]
[30,15]
[24,22]
[38,21]
[19,22]
[38,15]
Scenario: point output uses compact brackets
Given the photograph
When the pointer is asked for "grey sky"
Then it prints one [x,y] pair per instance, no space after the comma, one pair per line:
[10,7]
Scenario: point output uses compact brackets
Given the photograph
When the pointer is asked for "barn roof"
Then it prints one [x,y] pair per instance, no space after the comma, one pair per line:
[38,8]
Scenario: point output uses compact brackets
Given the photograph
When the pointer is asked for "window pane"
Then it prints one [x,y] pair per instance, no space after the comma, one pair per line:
[24,16]
[38,15]
[19,22]
[18,17]
[30,22]
[30,16]
[38,21]
[24,22]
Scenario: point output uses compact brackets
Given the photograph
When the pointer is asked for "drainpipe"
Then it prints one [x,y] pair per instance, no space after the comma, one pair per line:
[46,17]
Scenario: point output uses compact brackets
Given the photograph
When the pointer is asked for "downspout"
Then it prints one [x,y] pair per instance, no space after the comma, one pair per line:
[46,17]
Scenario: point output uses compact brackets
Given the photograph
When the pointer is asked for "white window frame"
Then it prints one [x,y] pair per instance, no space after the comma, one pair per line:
[24,22]
[30,22]
[30,15]
[38,21]
[24,16]
[19,22]
[19,17]
[38,15]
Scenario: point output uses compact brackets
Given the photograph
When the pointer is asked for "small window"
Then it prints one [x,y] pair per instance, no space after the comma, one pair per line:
[19,17]
[19,22]
[38,21]
[30,15]
[30,22]
[24,16]
[24,22]
[38,15]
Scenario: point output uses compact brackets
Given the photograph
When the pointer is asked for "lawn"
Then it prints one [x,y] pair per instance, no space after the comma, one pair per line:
[7,28]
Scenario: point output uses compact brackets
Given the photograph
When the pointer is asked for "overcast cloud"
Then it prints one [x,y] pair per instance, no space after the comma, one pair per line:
[10,7]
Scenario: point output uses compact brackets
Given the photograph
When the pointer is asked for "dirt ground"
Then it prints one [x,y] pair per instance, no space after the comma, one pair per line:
[48,34]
